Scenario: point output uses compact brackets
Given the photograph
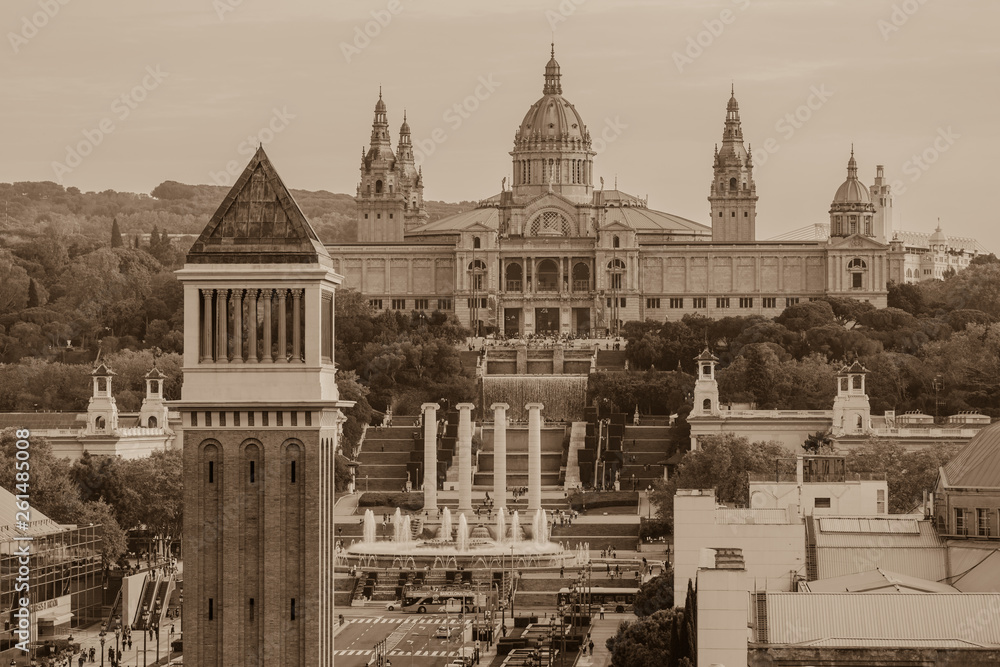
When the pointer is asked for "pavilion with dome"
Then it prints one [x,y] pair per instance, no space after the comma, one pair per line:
[554,253]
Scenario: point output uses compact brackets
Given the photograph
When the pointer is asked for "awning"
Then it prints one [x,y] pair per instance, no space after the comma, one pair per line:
[53,616]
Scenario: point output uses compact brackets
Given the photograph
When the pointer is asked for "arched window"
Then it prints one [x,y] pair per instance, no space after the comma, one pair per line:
[733,185]
[547,276]
[860,424]
[514,277]
[857,263]
[549,223]
[581,277]
[478,271]
[857,382]
[707,404]
[152,422]
[99,423]
[476,243]
[616,242]
[616,268]
[378,187]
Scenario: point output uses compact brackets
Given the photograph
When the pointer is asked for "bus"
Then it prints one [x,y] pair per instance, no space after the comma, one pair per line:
[617,600]
[431,601]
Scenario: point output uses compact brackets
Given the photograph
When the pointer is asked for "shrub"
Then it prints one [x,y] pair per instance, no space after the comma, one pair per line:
[595,500]
[404,501]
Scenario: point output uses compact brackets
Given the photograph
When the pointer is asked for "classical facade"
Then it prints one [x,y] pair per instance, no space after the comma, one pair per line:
[261,413]
[553,252]
[103,430]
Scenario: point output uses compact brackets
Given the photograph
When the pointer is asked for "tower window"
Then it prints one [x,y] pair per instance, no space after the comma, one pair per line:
[222,419]
[251,610]
[208,419]
[378,187]
[616,242]
[733,184]
[194,419]
[211,609]
[390,216]
[476,242]
[720,214]
[293,609]
[295,418]
[250,418]
[252,471]
[211,472]
[733,214]
[280,418]
[706,404]
[293,472]
[264,418]
[236,419]
[745,214]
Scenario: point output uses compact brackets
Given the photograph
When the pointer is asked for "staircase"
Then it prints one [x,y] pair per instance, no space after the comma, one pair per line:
[647,445]
[385,457]
[148,594]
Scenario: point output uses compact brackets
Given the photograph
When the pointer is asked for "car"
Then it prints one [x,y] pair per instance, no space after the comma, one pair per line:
[443,632]
[393,606]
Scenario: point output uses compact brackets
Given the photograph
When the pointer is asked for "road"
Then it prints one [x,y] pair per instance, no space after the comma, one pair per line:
[410,639]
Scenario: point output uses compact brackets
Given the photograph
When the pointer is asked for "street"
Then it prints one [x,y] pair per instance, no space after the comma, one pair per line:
[409,639]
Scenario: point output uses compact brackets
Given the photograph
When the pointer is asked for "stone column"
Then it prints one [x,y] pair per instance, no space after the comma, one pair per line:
[500,454]
[206,329]
[282,326]
[252,325]
[222,340]
[534,457]
[237,326]
[429,411]
[297,326]
[465,458]
[266,298]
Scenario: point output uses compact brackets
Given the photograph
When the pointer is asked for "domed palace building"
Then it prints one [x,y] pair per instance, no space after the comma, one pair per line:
[553,252]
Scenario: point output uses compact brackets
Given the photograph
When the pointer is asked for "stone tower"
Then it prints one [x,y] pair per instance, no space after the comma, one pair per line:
[851,408]
[706,387]
[881,193]
[260,410]
[102,411]
[153,412]
[390,196]
[733,195]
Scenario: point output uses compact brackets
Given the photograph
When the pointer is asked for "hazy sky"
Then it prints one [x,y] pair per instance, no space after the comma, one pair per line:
[158,90]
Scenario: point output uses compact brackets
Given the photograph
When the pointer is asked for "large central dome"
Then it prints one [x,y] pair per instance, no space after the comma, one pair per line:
[552,117]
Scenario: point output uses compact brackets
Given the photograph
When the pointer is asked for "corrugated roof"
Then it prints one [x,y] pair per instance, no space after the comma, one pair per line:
[41,421]
[978,464]
[868,525]
[924,536]
[886,618]
[751,516]
[845,642]
[878,580]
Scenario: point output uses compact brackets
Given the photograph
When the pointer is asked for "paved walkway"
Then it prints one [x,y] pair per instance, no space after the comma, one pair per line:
[600,631]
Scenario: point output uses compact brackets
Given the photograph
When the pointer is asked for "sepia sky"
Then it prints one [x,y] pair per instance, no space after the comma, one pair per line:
[124,95]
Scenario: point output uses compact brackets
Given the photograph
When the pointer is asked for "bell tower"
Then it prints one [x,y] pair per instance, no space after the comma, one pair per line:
[851,408]
[706,387]
[733,195]
[260,412]
[102,411]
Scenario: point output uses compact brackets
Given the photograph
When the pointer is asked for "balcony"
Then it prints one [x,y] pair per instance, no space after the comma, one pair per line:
[547,286]
[581,285]
[514,285]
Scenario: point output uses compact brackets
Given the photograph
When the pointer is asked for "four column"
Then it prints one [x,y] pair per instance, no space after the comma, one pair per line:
[500,454]
[534,456]
[429,411]
[465,457]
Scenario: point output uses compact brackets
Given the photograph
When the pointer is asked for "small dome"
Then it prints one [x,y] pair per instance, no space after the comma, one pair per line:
[852,191]
[380,105]
[405,127]
[938,237]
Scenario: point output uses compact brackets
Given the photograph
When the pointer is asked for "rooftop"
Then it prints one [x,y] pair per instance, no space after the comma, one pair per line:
[978,464]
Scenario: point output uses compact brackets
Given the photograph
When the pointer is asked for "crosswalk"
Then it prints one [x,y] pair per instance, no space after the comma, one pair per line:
[420,620]
[417,654]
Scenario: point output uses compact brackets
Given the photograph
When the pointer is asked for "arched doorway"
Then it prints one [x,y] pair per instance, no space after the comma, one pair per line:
[581,277]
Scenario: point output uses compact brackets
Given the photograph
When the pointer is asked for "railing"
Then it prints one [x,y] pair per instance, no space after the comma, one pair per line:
[815,478]
[514,285]
[927,432]
[547,287]
[773,414]
[581,285]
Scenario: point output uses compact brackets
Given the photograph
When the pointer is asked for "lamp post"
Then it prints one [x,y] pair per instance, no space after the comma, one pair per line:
[101,634]
[145,632]
[156,630]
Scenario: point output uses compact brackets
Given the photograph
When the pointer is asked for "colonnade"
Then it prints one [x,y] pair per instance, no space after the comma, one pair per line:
[241,326]
[464,447]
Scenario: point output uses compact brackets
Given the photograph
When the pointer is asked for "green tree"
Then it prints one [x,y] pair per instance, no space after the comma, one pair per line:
[114,542]
[655,594]
[359,415]
[116,235]
[52,490]
[645,642]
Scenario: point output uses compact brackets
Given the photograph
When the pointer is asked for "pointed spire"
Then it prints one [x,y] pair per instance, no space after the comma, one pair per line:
[852,166]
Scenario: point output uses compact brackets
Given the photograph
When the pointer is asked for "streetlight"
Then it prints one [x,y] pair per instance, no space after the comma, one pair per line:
[101,634]
[145,632]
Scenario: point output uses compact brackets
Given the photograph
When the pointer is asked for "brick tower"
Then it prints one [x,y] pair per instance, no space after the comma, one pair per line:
[260,414]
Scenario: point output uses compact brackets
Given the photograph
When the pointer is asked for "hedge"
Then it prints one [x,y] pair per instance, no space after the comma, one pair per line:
[404,501]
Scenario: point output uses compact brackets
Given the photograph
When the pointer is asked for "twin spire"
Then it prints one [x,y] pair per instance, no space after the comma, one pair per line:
[553,83]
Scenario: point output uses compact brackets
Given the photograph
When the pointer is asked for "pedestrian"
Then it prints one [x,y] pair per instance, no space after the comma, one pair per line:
[591,644]
[602,611]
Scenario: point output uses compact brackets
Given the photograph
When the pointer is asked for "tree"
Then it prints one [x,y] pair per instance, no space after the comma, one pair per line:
[34,301]
[52,490]
[341,473]
[114,542]
[655,594]
[908,474]
[645,642]
[116,235]
[818,442]
[804,316]
[721,462]
[359,415]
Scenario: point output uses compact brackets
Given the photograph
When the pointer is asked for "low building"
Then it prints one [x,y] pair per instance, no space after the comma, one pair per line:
[65,585]
[772,540]
[103,430]
[821,485]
